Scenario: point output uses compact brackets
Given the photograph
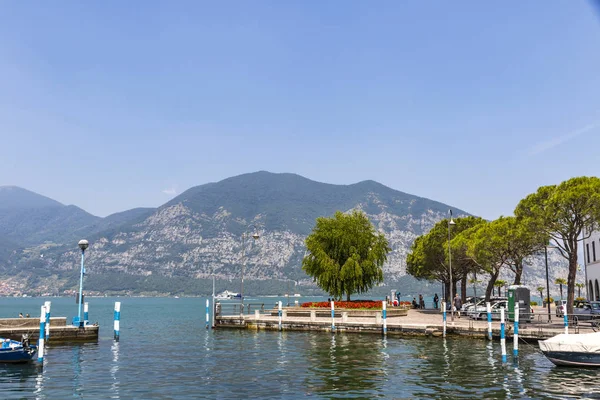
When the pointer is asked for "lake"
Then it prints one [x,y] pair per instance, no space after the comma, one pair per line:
[165,352]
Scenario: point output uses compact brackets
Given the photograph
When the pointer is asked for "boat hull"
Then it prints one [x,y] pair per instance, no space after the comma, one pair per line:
[573,359]
[14,356]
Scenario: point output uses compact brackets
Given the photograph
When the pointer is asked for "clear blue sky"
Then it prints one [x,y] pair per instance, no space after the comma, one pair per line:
[112,105]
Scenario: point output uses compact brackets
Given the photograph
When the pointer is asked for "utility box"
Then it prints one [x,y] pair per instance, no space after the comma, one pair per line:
[518,294]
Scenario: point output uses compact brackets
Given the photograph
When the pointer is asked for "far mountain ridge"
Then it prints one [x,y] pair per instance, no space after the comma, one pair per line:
[181,244]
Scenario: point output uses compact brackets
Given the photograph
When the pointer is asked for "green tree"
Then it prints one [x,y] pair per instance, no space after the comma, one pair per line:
[579,286]
[566,213]
[345,254]
[541,290]
[500,284]
[428,258]
[520,241]
[560,282]
[486,248]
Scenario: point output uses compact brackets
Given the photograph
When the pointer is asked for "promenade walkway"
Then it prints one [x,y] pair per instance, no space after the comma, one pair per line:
[417,322]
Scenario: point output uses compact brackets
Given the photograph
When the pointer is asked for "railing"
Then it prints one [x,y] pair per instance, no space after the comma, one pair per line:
[246,309]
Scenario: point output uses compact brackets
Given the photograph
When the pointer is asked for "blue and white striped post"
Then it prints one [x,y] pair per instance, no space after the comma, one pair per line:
[384,312]
[207,312]
[85,313]
[566,319]
[332,316]
[444,314]
[516,334]
[117,319]
[502,335]
[488,307]
[280,313]
[42,334]
[47,333]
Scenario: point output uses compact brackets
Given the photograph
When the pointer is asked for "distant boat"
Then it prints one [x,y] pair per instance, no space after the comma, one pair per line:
[297,295]
[12,351]
[227,295]
[176,297]
[575,350]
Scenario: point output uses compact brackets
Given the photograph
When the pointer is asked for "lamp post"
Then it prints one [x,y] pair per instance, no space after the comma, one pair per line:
[255,236]
[450,222]
[83,245]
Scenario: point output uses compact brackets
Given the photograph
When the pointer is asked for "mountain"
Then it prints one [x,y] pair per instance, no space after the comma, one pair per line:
[178,247]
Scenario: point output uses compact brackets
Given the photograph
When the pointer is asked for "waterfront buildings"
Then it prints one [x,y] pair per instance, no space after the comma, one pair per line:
[591,256]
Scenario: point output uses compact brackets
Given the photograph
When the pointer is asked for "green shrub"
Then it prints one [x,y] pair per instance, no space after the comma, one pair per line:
[533,303]
[551,300]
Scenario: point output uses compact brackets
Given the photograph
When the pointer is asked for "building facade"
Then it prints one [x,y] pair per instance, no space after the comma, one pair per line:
[591,256]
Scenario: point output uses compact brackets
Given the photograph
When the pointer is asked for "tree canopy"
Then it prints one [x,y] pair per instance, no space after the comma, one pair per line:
[345,254]
[428,258]
[566,213]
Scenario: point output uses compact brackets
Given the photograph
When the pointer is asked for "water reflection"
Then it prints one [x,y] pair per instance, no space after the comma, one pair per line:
[345,364]
[114,371]
[19,378]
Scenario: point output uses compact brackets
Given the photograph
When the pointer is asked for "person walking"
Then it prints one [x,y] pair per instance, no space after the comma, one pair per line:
[436,299]
[421,302]
[457,304]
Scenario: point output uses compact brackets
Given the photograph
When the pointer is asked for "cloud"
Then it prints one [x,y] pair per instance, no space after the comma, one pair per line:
[170,191]
[556,141]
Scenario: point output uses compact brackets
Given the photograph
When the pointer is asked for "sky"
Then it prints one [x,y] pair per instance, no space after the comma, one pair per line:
[113,105]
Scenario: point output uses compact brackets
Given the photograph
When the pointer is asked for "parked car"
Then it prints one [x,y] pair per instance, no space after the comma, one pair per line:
[470,301]
[587,310]
[495,308]
[560,306]
[481,307]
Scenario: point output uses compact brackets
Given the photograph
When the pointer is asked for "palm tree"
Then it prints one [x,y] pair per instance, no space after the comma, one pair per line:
[579,286]
[541,290]
[499,284]
[560,282]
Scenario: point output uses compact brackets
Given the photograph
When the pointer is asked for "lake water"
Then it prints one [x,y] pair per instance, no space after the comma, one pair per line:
[165,352]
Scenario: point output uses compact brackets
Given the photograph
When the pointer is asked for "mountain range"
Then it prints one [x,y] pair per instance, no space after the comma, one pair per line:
[178,247]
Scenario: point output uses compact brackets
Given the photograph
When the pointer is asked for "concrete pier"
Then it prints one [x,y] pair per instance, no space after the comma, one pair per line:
[14,328]
[416,322]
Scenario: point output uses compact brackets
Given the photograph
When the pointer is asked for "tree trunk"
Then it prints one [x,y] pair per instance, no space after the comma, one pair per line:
[348,297]
[463,288]
[571,280]
[489,290]
[518,272]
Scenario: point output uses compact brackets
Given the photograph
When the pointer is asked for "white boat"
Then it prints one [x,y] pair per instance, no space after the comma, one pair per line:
[577,350]
[297,295]
[227,295]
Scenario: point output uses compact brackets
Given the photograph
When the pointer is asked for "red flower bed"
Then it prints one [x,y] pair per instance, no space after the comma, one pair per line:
[356,304]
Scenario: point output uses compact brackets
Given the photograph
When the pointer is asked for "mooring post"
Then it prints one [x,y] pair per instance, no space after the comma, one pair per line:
[502,335]
[566,319]
[280,309]
[47,305]
[444,316]
[516,334]
[332,316]
[42,333]
[85,313]
[207,313]
[117,319]
[384,312]
[488,307]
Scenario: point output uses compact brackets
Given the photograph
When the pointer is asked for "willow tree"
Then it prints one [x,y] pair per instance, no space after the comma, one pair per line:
[566,213]
[428,258]
[345,254]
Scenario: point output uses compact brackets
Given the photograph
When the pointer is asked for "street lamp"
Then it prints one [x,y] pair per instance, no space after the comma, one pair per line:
[83,245]
[255,236]
[450,223]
